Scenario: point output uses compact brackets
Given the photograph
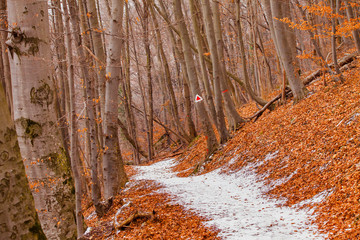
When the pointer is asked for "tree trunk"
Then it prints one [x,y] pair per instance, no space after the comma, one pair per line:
[333,40]
[229,103]
[62,71]
[142,94]
[314,42]
[95,186]
[216,70]
[212,143]
[143,13]
[74,154]
[96,35]
[179,59]
[203,70]
[286,45]
[244,64]
[131,123]
[133,142]
[18,218]
[114,172]
[5,58]
[168,83]
[350,16]
[149,79]
[35,118]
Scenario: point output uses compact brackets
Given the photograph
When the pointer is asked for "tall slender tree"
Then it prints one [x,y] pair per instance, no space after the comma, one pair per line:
[74,153]
[5,57]
[93,153]
[286,46]
[168,83]
[216,70]
[113,167]
[212,143]
[244,61]
[233,115]
[195,12]
[98,45]
[355,32]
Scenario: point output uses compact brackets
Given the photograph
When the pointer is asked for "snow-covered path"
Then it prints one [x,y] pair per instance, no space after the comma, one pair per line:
[235,203]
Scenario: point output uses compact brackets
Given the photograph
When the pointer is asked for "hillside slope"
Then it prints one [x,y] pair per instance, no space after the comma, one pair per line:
[315,153]
[307,153]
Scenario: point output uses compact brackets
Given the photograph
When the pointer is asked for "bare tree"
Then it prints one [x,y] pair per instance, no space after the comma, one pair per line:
[193,79]
[35,117]
[93,153]
[113,167]
[195,12]
[210,34]
[18,218]
[355,32]
[6,75]
[334,4]
[244,64]
[233,115]
[286,46]
[74,153]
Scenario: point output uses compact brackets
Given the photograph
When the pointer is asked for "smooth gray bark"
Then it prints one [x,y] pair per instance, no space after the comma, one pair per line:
[95,186]
[98,45]
[244,61]
[5,58]
[74,153]
[113,167]
[35,118]
[216,70]
[203,70]
[333,40]
[233,115]
[286,47]
[355,32]
[18,217]
[212,143]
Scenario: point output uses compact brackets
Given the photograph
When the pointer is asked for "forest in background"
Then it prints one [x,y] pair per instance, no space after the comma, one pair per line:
[88,86]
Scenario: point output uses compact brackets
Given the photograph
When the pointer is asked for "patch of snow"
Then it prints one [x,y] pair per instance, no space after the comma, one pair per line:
[88,230]
[91,216]
[352,119]
[120,210]
[116,223]
[267,158]
[235,203]
[318,198]
[271,156]
[233,160]
[280,181]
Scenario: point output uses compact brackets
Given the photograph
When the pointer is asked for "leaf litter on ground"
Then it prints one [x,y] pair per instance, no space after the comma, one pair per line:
[305,155]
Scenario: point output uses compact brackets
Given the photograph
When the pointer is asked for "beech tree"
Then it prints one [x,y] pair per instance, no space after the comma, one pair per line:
[18,218]
[90,89]
[218,78]
[193,79]
[47,167]
[90,106]
[284,38]
[113,168]
[350,17]
[74,153]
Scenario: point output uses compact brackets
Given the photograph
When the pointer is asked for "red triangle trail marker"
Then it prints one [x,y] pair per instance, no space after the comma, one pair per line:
[198,98]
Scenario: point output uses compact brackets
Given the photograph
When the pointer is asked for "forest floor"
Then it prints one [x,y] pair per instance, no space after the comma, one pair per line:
[296,164]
